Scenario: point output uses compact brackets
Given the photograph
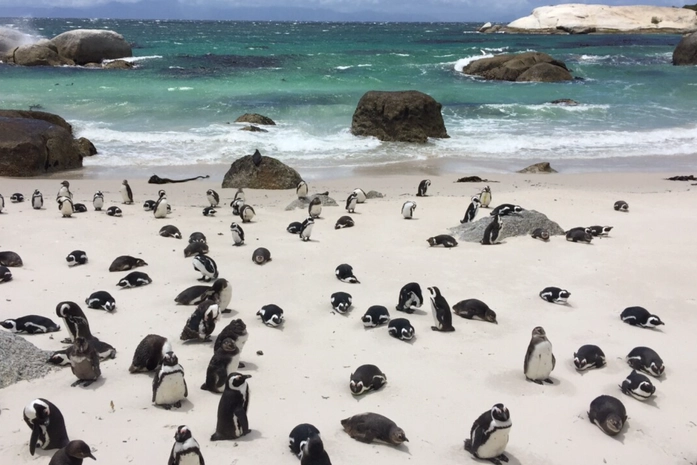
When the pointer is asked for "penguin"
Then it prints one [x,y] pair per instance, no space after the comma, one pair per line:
[306,229]
[169,385]
[608,414]
[471,211]
[410,298]
[220,291]
[237,234]
[506,209]
[351,202]
[485,197]
[101,300]
[621,206]
[301,190]
[271,315]
[315,207]
[134,279]
[149,205]
[376,315]
[239,195]
[261,256]
[442,239]
[114,211]
[79,208]
[170,231]
[600,231]
[197,237]
[539,359]
[76,257]
[196,248]
[492,231]
[361,196]
[201,323]
[185,450]
[313,452]
[256,158]
[300,435]
[30,324]
[247,213]
[161,206]
[64,191]
[65,205]
[47,425]
[541,234]
[401,328]
[489,435]
[98,201]
[646,360]
[442,317]
[294,227]
[639,316]
[408,209]
[475,309]
[72,454]
[2,203]
[5,274]
[423,187]
[232,409]
[366,378]
[75,320]
[638,386]
[105,351]
[579,235]
[589,356]
[344,273]
[235,330]
[225,360]
[126,193]
[11,259]
[149,353]
[125,263]
[237,205]
[206,266]
[344,222]
[209,211]
[368,427]
[341,302]
[213,197]
[16,198]
[37,200]
[555,295]
[84,361]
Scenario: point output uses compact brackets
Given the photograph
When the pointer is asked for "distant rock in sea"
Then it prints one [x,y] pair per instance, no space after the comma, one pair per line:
[255,118]
[520,67]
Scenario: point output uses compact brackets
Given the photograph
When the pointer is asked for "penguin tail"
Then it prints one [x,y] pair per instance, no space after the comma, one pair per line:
[468,445]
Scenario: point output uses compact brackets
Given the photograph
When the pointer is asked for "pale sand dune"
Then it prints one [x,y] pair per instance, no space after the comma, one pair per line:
[438,385]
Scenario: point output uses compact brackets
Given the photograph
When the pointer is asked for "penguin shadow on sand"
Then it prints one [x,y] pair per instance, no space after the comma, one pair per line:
[186,406]
[370,393]
[414,311]
[254,434]
[96,384]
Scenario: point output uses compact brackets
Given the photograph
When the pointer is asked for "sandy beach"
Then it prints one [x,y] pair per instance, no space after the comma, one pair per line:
[437,385]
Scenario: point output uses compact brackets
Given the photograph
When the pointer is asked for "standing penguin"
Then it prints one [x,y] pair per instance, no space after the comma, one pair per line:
[225,360]
[299,436]
[206,266]
[351,202]
[313,452]
[37,200]
[539,359]
[608,414]
[306,229]
[442,316]
[64,191]
[237,234]
[72,454]
[47,425]
[485,197]
[408,209]
[185,450]
[301,190]
[75,320]
[98,201]
[471,211]
[168,385]
[201,323]
[232,409]
[492,231]
[423,187]
[315,207]
[126,193]
[489,435]
[213,197]
[247,213]
[410,297]
[84,361]
[65,205]
[161,206]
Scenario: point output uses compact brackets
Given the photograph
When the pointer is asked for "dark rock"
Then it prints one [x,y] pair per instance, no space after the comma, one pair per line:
[42,54]
[515,67]
[474,179]
[42,115]
[92,45]
[21,360]
[688,177]
[374,195]
[522,224]
[686,52]
[542,167]
[304,203]
[407,116]
[492,29]
[252,128]
[270,174]
[118,64]
[254,118]
[564,101]
[545,72]
[577,29]
[86,147]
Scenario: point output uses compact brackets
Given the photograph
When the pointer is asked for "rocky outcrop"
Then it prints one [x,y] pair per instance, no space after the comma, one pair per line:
[10,39]
[21,360]
[407,116]
[118,64]
[86,147]
[92,45]
[374,195]
[685,54]
[252,128]
[304,203]
[529,66]
[270,174]
[254,118]
[513,225]
[567,102]
[39,54]
[542,167]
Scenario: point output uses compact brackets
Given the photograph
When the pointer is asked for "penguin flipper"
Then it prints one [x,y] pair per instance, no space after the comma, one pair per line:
[36,431]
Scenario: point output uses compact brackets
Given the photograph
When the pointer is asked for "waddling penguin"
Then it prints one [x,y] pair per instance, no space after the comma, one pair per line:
[64,191]
[313,452]
[37,200]
[114,211]
[555,295]
[247,213]
[98,201]
[300,435]
[646,360]
[489,435]
[209,211]
[17,198]
[579,235]
[76,257]
[225,360]
[360,195]
[306,229]
[161,206]
[101,300]
[168,385]
[170,231]
[442,317]
[351,202]
[294,227]
[366,378]
[237,234]
[589,356]
[506,209]
[5,274]
[72,454]
[185,450]
[600,231]
[423,187]
[474,309]
[301,190]
[471,211]
[408,209]
[261,256]
[410,298]
[442,239]
[84,361]
[315,207]
[201,323]
[75,320]
[344,273]
[126,193]
[541,234]
[149,353]
[368,427]
[539,359]
[344,222]
[65,205]
[401,328]
[125,263]
[341,301]
[47,425]
[206,266]
[492,231]
[639,316]
[485,197]
[271,315]
[638,386]
[134,279]
[213,197]
[621,206]
[30,324]
[232,409]
[376,315]
[608,414]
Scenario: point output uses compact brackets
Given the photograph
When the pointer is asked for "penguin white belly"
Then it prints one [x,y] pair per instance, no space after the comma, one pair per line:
[124,194]
[189,458]
[412,301]
[37,203]
[98,203]
[436,322]
[225,297]
[233,365]
[236,237]
[241,340]
[495,446]
[67,208]
[307,231]
[540,364]
[161,210]
[171,390]
[316,210]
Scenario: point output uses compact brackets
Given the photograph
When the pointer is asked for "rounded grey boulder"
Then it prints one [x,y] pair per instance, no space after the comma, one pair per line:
[92,45]
[519,67]
[686,52]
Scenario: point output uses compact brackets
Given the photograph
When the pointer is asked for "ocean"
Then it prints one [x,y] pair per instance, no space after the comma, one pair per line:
[194,78]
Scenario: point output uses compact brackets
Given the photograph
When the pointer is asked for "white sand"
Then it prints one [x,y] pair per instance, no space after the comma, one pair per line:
[438,385]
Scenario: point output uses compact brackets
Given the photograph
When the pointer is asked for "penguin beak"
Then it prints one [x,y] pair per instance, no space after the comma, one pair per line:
[92,456]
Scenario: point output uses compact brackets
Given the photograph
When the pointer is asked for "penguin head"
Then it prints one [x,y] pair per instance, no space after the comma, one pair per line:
[490,316]
[182,434]
[654,321]
[81,344]
[79,449]
[161,193]
[315,201]
[220,284]
[580,363]
[517,209]
[499,412]
[397,435]
[229,346]
[647,388]
[9,324]
[613,424]
[356,387]
[564,294]
[209,192]
[539,331]
[434,291]
[170,359]
[65,184]
[37,409]
[486,189]
[432,241]
[125,182]
[607,229]
[313,446]
[37,193]
[63,309]
[657,368]
[237,380]
[238,327]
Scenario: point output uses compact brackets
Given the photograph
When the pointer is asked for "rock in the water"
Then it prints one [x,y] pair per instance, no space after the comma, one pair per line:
[118,64]
[303,203]
[408,116]
[21,360]
[270,174]
[252,128]
[542,167]
[374,195]
[92,45]
[520,67]
[41,54]
[545,72]
[86,147]
[254,118]
[685,53]
[11,38]
[513,226]
[564,101]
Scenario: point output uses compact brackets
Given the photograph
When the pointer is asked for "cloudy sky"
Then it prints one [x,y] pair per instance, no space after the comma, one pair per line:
[351,10]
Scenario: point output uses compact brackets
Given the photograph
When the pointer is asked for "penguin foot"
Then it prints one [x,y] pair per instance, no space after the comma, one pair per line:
[166,406]
[67,340]
[435,328]
[227,310]
[536,381]
[495,461]
[178,404]
[548,381]
[241,365]
[88,382]
[503,458]
[79,381]
[468,445]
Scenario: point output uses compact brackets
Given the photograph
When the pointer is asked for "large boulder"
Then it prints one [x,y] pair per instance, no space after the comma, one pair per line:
[542,167]
[21,360]
[92,45]
[255,118]
[10,39]
[528,66]
[513,225]
[40,54]
[270,174]
[305,202]
[686,51]
[406,116]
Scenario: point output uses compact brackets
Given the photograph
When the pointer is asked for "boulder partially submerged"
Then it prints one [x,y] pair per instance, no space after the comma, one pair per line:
[21,360]
[520,67]
[522,224]
[92,45]
[255,118]
[270,174]
[685,54]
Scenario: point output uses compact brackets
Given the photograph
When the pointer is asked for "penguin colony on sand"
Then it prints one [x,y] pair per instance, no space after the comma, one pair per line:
[489,434]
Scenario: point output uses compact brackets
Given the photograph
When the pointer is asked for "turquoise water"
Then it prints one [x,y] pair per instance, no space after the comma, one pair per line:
[193,78]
